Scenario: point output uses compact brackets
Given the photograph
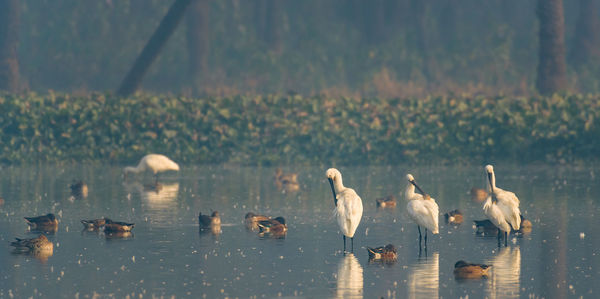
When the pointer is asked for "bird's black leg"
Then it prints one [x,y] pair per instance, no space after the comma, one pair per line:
[344,243]
[352,241]
[425,239]
[156,179]
[420,237]
[499,235]
[505,239]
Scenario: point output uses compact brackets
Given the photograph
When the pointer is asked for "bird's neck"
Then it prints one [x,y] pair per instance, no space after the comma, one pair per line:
[491,183]
[338,185]
[134,169]
[410,191]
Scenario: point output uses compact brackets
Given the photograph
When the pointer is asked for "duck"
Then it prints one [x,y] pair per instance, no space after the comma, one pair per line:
[287,182]
[464,270]
[486,226]
[251,220]
[153,162]
[206,221]
[79,189]
[478,194]
[116,226]
[93,224]
[386,202]
[33,245]
[273,227]
[385,253]
[46,222]
[454,217]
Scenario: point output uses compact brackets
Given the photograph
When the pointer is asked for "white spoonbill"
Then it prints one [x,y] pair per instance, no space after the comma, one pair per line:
[348,205]
[155,163]
[501,206]
[422,208]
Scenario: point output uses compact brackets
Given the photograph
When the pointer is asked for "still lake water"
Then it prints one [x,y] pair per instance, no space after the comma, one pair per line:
[167,255]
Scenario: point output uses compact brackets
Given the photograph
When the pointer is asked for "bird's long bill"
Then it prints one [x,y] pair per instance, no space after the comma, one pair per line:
[418,188]
[333,191]
[489,175]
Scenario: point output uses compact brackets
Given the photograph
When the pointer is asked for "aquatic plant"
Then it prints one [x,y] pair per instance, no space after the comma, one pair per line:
[292,129]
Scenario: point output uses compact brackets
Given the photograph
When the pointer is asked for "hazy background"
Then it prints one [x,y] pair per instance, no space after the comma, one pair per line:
[334,47]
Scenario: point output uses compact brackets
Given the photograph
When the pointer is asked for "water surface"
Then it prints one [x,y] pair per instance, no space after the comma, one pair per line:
[168,255]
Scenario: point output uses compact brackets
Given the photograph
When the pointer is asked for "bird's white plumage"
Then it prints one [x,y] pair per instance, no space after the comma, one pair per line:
[424,212]
[155,163]
[507,203]
[495,215]
[349,208]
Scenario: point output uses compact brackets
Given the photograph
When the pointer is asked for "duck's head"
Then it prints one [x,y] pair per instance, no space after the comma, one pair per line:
[460,263]
[280,220]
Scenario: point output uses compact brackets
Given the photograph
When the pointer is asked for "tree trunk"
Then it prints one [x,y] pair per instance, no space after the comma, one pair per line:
[274,25]
[198,41]
[586,43]
[159,38]
[9,36]
[551,75]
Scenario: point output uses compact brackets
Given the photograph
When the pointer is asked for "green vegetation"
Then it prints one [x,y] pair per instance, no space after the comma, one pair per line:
[292,129]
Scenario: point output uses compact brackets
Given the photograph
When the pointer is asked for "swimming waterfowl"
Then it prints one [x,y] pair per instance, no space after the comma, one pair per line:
[33,245]
[93,224]
[386,202]
[287,182]
[478,194]
[116,226]
[486,226]
[454,217]
[385,253]
[155,163]
[464,270]
[422,208]
[79,189]
[273,227]
[45,222]
[348,205]
[501,207]
[206,221]
[251,220]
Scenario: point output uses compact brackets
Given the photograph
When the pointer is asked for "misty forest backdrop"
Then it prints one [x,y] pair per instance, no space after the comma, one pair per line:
[274,81]
[350,48]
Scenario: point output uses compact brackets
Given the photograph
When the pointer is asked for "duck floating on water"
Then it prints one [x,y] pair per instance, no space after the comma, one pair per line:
[454,217]
[46,222]
[386,202]
[464,270]
[94,224]
[274,228]
[385,253]
[117,226]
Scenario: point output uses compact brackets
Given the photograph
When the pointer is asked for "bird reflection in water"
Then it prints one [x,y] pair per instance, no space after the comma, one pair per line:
[118,235]
[40,248]
[424,278]
[159,200]
[505,277]
[349,278]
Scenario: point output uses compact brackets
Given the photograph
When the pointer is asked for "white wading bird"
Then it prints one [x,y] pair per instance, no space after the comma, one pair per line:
[501,207]
[348,205]
[155,163]
[422,208]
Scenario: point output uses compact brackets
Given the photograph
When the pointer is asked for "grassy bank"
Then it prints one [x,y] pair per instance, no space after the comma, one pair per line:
[292,129]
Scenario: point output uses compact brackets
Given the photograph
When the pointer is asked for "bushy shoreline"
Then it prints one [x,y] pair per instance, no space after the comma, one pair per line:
[295,130]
